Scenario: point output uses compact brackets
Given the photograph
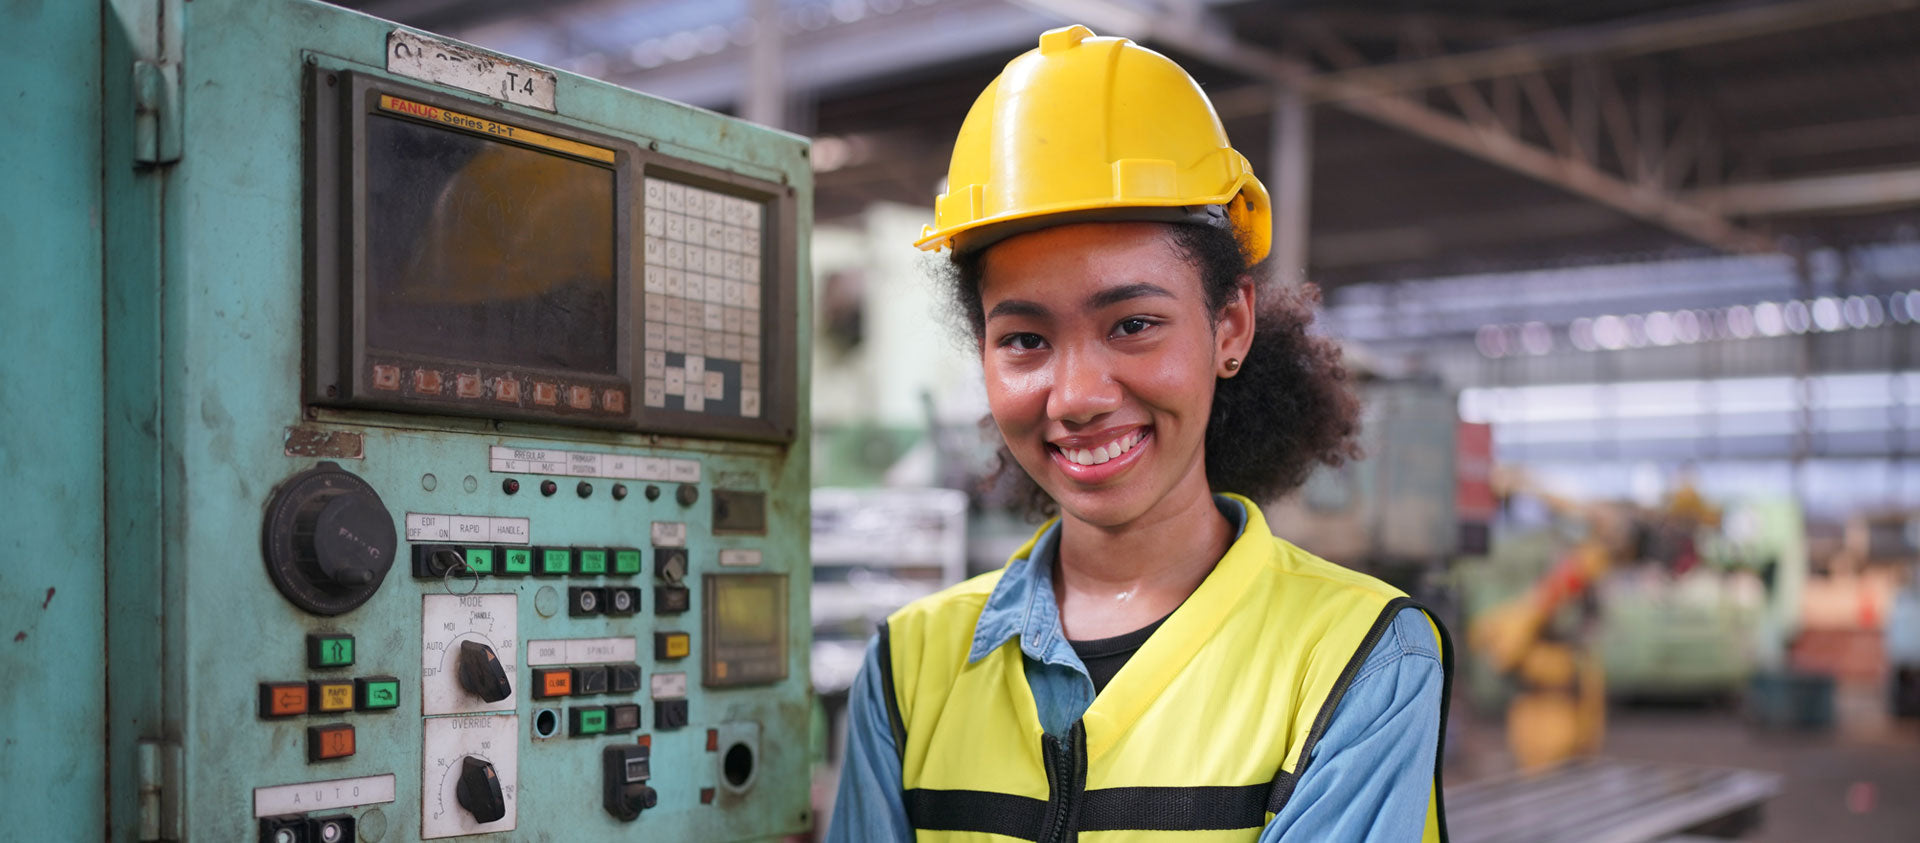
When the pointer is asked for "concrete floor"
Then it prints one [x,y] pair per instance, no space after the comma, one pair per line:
[1858,782]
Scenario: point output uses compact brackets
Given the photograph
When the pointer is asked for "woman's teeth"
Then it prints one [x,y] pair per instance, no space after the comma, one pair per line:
[1096,456]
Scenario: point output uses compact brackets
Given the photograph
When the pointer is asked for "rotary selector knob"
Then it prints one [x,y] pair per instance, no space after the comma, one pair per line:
[479,790]
[481,674]
[328,540]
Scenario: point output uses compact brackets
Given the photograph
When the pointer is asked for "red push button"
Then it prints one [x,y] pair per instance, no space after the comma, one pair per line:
[283,699]
[325,743]
[556,682]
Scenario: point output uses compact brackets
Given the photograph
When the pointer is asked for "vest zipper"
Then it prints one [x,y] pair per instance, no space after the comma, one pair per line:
[1066,763]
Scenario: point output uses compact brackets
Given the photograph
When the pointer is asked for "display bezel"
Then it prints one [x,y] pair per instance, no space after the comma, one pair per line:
[340,363]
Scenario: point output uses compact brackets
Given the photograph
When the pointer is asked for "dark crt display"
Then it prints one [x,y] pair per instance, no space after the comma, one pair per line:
[486,252]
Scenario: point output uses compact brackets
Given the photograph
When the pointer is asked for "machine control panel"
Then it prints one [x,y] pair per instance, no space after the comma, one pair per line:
[528,474]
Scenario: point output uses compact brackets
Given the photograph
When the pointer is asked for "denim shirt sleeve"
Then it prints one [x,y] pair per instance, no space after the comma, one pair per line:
[867,806]
[1371,774]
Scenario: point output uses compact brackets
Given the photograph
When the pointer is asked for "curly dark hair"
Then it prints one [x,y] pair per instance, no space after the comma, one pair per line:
[1290,407]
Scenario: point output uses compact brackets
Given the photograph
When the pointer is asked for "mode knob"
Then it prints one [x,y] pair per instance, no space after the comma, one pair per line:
[328,540]
[479,790]
[481,674]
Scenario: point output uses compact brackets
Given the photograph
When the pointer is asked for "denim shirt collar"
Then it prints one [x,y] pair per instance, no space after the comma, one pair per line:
[1022,603]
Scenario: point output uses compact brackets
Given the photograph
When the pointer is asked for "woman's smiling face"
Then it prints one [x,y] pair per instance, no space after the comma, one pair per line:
[1100,358]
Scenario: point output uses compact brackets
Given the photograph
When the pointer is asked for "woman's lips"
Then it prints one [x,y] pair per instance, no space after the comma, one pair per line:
[1106,464]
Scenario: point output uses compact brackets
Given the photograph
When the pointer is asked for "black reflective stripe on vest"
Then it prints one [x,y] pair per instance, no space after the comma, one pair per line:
[884,652]
[1105,809]
[1283,782]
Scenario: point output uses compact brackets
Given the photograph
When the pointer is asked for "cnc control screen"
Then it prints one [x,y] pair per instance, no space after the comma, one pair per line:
[485,251]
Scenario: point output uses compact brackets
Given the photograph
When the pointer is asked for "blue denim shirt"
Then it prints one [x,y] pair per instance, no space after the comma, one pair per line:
[1371,772]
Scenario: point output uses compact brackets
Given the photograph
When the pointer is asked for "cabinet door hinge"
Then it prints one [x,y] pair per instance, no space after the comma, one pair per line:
[156,112]
[160,769]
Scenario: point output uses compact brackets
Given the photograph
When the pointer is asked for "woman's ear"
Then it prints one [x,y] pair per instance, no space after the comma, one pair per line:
[1233,329]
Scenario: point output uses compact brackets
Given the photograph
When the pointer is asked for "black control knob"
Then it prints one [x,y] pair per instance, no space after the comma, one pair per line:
[479,790]
[688,494]
[670,564]
[481,673]
[625,792]
[328,540]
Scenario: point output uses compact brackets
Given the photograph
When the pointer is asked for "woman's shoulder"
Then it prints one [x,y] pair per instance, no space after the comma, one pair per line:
[967,597]
[1304,568]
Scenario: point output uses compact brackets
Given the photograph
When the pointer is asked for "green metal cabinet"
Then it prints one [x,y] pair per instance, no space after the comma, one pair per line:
[161,398]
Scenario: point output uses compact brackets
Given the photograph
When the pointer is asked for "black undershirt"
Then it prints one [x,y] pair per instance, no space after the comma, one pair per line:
[1105,656]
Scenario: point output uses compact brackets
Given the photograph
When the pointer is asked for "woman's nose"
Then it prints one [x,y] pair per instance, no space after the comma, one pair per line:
[1083,387]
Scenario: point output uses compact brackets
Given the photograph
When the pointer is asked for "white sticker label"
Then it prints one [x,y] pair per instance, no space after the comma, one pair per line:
[669,686]
[505,460]
[550,651]
[740,557]
[669,534]
[446,63]
[322,796]
[490,529]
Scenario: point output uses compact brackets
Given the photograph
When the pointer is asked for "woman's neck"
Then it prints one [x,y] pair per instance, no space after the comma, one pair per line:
[1111,581]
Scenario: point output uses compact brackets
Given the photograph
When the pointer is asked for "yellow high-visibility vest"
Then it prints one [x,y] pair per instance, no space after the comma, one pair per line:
[1204,731]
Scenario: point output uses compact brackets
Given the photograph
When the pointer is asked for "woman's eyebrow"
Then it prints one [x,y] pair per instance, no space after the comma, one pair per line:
[1018,307]
[1125,292]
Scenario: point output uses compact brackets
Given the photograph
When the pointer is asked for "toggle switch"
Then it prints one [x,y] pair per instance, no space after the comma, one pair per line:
[481,674]
[627,768]
[479,790]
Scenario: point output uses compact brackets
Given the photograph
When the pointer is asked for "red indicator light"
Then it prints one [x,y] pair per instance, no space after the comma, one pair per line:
[614,401]
[427,381]
[580,397]
[386,377]
[507,389]
[468,386]
[545,394]
[713,740]
[706,796]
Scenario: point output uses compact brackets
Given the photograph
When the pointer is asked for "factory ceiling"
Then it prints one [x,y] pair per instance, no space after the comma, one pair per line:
[1483,136]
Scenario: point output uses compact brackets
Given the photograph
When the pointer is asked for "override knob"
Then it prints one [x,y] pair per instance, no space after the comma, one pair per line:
[479,790]
[328,540]
[480,672]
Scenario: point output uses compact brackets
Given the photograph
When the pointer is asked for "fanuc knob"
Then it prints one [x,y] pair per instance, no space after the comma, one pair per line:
[481,674]
[479,790]
[328,540]
[624,790]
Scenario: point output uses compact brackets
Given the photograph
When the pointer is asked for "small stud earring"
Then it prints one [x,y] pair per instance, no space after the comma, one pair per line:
[1233,365]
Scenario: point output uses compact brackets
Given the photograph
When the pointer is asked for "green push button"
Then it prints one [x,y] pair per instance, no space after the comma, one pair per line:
[329,650]
[626,561]
[480,560]
[516,560]
[555,561]
[593,561]
[587,721]
[376,693]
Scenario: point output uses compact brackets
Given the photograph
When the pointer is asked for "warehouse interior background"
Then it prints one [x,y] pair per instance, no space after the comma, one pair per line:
[1634,288]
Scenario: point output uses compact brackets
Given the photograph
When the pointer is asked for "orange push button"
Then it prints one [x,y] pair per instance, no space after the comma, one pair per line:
[283,699]
[557,682]
[330,696]
[325,743]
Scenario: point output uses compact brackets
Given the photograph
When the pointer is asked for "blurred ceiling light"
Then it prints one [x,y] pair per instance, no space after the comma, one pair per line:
[1660,330]
[1610,332]
[1740,321]
[848,11]
[713,38]
[1768,319]
[1491,341]
[1636,330]
[1897,308]
[1580,333]
[1686,326]
[1536,338]
[1796,316]
[1826,314]
[589,64]
[650,53]
[1861,311]
[682,46]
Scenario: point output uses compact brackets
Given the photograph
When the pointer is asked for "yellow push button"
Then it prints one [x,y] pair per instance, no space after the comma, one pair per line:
[672,645]
[331,696]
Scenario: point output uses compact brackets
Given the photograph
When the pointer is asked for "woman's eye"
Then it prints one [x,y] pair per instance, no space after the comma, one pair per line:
[1022,342]
[1131,326]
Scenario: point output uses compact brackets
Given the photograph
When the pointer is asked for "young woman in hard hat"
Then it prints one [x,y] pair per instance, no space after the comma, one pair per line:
[1153,660]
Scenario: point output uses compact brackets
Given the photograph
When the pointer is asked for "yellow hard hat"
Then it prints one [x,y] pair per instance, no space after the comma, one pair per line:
[1089,128]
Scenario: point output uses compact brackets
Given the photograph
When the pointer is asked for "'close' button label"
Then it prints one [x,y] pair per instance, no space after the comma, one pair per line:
[553,683]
